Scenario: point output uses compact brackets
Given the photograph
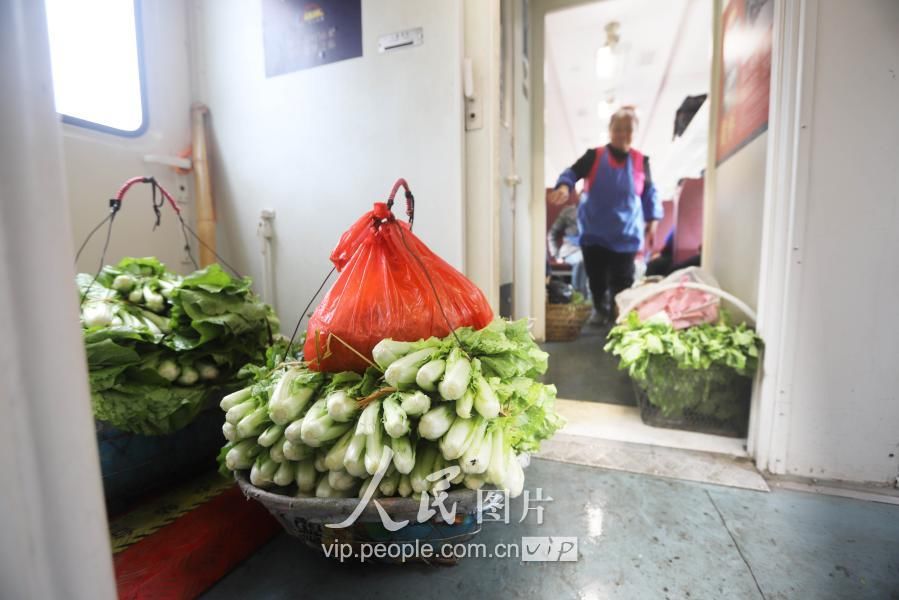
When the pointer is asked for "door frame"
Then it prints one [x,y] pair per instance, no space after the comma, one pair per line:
[783,227]
[785,201]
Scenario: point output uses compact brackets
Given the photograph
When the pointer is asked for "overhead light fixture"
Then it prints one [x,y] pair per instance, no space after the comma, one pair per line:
[606,61]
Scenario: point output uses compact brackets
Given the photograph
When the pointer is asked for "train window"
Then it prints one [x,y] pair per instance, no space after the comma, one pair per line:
[98,75]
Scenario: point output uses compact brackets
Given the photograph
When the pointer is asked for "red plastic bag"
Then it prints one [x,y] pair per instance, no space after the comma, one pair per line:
[384,291]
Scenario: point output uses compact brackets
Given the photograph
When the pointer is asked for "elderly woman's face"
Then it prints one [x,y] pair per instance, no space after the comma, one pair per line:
[621,131]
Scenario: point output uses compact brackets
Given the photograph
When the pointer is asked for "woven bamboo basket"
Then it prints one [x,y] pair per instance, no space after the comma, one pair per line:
[565,321]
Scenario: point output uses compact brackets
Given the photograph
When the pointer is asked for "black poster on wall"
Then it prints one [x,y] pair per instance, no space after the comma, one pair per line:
[299,35]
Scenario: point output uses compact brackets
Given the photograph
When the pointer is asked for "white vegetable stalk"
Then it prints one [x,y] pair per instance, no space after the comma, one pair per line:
[169,370]
[341,407]
[97,314]
[354,459]
[514,474]
[256,477]
[235,398]
[457,376]
[153,300]
[460,436]
[207,371]
[241,455]
[369,420]
[294,451]
[230,432]
[458,478]
[276,451]
[294,431]
[485,400]
[318,427]
[402,372]
[363,489]
[414,404]
[404,488]
[123,283]
[439,465]
[429,374]
[436,422]
[474,481]
[235,414]
[268,467]
[136,296]
[319,462]
[166,289]
[477,458]
[306,475]
[341,481]
[390,482]
[271,435]
[396,423]
[189,376]
[496,470]
[403,454]
[324,489]
[254,423]
[285,404]
[285,475]
[374,447]
[418,478]
[465,404]
[387,351]
[334,457]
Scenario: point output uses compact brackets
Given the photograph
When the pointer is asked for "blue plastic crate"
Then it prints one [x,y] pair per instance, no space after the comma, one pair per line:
[136,465]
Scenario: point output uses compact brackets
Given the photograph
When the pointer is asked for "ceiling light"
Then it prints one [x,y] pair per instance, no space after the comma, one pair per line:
[606,61]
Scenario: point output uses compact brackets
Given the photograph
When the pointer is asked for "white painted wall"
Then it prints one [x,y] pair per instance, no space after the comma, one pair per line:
[842,413]
[319,146]
[736,220]
[97,163]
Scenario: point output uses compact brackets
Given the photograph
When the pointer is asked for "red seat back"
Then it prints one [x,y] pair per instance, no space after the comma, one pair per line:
[665,226]
[688,233]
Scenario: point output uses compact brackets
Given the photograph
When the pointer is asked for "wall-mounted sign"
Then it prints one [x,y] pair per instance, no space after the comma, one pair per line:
[745,83]
[299,35]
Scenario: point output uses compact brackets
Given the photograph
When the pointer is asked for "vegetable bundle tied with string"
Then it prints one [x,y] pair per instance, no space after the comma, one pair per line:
[158,343]
[391,285]
[470,399]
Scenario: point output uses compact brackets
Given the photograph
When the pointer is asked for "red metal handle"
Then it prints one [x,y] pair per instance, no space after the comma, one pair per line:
[410,199]
[144,179]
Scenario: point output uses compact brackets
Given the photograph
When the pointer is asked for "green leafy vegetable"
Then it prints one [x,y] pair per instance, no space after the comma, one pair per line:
[158,344]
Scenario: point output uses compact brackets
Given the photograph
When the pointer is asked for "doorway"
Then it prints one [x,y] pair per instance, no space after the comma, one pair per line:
[594,58]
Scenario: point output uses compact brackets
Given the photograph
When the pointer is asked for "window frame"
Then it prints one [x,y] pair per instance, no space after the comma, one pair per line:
[142,79]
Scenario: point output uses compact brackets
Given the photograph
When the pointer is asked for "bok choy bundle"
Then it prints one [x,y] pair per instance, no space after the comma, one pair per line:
[158,344]
[470,400]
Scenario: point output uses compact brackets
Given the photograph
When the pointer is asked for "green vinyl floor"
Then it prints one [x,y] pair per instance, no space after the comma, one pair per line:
[638,537]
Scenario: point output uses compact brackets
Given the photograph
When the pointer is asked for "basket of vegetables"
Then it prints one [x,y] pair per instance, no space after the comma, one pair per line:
[440,417]
[565,321]
[566,311]
[696,378]
[161,348]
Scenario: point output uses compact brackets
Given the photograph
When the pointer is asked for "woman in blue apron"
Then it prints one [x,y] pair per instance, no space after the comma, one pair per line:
[620,214]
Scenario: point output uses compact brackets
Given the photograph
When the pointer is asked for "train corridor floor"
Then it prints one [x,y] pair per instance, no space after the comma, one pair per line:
[638,536]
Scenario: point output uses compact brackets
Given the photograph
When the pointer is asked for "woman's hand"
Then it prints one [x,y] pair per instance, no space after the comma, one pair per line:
[560,195]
